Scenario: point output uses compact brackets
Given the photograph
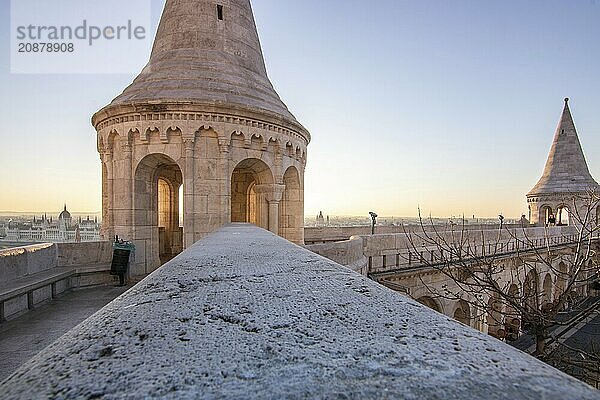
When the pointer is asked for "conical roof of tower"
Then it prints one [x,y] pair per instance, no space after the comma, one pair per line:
[207,53]
[566,170]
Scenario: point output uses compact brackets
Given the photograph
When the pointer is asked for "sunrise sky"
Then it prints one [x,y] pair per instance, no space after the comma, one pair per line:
[450,106]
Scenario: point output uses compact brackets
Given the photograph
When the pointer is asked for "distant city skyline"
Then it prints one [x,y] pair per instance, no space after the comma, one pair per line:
[450,107]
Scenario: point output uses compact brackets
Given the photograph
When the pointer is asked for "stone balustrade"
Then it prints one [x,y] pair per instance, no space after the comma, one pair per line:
[328,234]
[246,314]
[31,269]
[346,252]
[19,262]
[394,251]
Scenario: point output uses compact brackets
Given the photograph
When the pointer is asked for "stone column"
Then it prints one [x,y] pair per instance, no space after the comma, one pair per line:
[225,198]
[272,194]
[108,228]
[188,195]
[128,177]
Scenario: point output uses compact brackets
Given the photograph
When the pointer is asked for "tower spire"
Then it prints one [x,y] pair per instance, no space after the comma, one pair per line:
[207,53]
[566,170]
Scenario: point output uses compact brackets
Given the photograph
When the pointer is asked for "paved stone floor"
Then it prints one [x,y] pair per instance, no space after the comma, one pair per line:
[24,337]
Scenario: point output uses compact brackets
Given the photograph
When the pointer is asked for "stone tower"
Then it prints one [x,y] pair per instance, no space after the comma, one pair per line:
[203,122]
[566,176]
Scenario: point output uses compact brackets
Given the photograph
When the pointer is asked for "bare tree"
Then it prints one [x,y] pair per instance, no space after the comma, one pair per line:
[520,280]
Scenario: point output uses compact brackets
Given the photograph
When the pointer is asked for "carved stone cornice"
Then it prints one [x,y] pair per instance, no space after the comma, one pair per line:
[156,113]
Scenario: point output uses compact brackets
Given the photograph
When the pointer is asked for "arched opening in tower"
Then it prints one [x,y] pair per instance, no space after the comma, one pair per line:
[546,214]
[562,217]
[251,185]
[158,181]
[291,211]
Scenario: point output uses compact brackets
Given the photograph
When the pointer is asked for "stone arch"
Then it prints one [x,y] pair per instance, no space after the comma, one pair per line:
[531,294]
[156,203]
[132,134]
[150,132]
[563,215]
[462,312]
[100,144]
[431,303]
[545,213]
[291,210]
[289,149]
[257,142]
[111,139]
[495,318]
[562,278]
[531,289]
[274,146]
[238,139]
[547,288]
[251,182]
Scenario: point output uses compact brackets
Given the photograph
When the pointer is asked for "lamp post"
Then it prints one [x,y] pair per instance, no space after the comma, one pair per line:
[373,221]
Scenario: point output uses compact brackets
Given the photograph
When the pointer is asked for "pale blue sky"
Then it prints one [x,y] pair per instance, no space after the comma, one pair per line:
[450,105]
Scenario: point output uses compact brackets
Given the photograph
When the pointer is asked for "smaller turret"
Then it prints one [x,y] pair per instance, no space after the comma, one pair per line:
[566,176]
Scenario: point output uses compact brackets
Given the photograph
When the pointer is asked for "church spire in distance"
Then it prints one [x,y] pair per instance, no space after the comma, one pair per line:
[566,170]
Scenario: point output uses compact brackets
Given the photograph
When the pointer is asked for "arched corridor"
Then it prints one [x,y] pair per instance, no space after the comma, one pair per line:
[157,186]
[251,181]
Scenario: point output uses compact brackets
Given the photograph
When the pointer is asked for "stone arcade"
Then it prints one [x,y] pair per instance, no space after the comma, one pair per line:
[203,120]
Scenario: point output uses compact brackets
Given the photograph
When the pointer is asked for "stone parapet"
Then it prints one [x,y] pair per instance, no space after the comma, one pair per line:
[91,260]
[325,234]
[28,260]
[349,253]
[246,314]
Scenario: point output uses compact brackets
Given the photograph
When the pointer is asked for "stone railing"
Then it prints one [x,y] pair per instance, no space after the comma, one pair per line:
[246,314]
[347,252]
[33,274]
[327,234]
[90,259]
[405,251]
[28,260]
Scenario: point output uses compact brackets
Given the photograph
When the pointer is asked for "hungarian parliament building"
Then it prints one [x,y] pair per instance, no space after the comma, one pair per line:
[65,229]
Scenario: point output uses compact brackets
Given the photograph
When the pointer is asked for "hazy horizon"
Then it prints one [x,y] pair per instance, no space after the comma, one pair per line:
[450,107]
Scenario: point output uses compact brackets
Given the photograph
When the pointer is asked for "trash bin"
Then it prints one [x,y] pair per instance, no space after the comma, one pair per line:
[122,255]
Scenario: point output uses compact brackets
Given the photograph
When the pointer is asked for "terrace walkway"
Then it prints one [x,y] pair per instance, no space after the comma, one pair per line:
[24,337]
